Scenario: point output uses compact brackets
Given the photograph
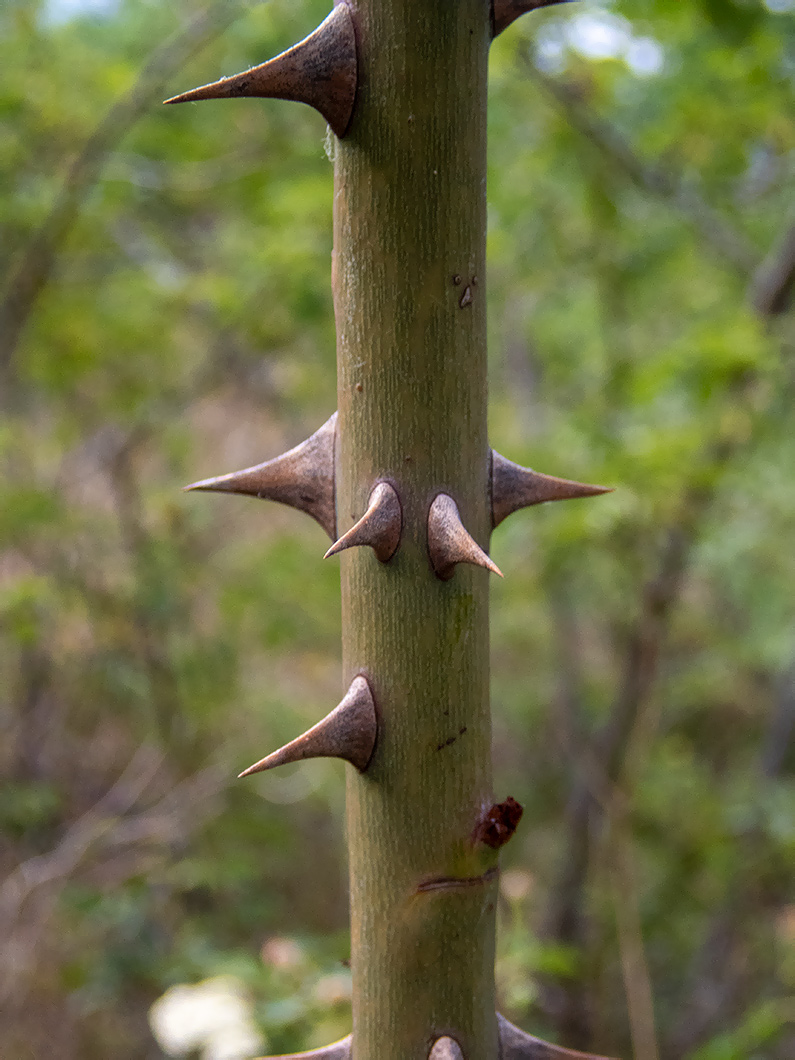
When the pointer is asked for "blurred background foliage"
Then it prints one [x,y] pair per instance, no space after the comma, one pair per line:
[165,315]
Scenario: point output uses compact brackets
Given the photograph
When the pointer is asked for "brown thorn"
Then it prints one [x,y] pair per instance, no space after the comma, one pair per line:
[516,1045]
[340,1050]
[449,542]
[379,527]
[348,732]
[514,487]
[446,1049]
[504,12]
[303,478]
[320,71]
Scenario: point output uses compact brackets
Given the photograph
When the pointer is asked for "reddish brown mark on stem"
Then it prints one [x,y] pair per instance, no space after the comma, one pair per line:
[498,823]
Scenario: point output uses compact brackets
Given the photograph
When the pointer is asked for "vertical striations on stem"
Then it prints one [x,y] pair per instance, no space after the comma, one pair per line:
[410,219]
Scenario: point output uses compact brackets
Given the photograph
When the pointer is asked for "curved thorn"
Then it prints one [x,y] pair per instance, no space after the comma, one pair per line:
[446,1049]
[340,1050]
[320,71]
[514,487]
[348,732]
[504,12]
[516,1045]
[449,542]
[379,527]
[303,478]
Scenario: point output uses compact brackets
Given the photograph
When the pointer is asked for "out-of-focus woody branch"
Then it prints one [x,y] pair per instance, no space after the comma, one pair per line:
[29,895]
[770,292]
[33,269]
[731,244]
[600,768]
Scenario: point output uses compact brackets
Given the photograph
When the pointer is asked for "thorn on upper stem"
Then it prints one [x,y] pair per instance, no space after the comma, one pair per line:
[450,543]
[303,478]
[514,487]
[380,526]
[320,71]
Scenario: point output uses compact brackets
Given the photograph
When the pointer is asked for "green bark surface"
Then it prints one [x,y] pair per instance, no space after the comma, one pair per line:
[409,271]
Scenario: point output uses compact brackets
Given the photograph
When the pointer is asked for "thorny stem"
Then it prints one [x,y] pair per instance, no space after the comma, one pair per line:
[409,257]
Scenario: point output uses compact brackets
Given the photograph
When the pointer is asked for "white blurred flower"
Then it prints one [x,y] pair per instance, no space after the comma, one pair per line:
[333,989]
[281,952]
[516,884]
[233,1043]
[213,1016]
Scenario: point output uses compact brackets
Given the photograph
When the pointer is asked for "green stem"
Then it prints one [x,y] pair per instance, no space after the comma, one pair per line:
[409,271]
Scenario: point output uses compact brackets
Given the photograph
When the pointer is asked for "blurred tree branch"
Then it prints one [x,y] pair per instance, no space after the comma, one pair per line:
[731,244]
[29,895]
[34,267]
[769,292]
[594,787]
[637,981]
[718,970]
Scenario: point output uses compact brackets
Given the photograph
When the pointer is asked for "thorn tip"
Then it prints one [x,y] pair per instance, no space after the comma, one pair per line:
[379,527]
[450,543]
[321,71]
[302,478]
[348,732]
[514,487]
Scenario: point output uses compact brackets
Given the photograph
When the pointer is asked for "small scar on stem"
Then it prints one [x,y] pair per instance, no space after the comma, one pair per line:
[449,742]
[453,883]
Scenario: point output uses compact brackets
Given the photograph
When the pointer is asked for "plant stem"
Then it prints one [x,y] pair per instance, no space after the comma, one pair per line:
[409,271]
